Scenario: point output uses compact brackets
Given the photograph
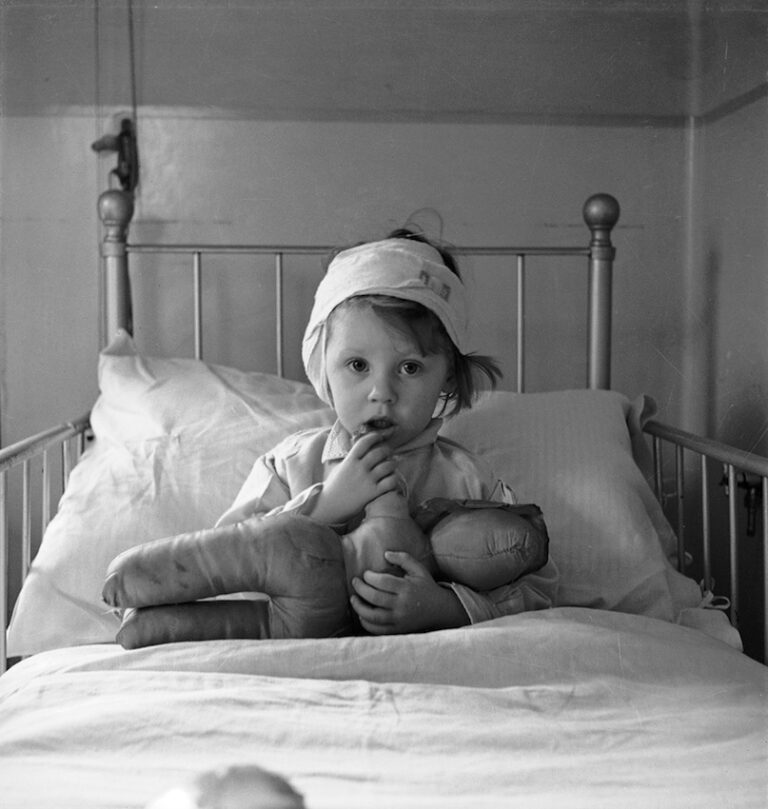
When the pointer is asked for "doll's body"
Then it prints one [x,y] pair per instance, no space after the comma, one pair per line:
[386,526]
[305,569]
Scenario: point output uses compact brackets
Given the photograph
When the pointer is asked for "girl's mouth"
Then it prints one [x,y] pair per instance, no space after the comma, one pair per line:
[378,424]
[375,425]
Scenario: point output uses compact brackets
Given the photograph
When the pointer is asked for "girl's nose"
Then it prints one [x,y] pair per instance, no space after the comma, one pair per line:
[381,390]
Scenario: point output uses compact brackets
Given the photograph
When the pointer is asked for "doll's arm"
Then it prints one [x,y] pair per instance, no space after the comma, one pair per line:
[484,544]
[535,591]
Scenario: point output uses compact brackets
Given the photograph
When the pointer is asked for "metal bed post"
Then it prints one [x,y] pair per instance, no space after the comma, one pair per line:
[197,293]
[601,213]
[765,568]
[706,530]
[4,577]
[279,311]
[520,323]
[115,212]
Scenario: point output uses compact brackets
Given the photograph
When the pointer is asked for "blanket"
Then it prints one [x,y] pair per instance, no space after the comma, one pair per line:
[570,707]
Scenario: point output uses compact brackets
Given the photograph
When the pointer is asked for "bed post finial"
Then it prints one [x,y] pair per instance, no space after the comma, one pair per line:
[115,212]
[601,213]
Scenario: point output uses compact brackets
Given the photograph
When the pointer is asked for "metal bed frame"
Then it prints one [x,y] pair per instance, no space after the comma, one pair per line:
[601,212]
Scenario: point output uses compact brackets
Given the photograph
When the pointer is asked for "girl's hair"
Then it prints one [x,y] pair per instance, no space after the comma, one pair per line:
[469,373]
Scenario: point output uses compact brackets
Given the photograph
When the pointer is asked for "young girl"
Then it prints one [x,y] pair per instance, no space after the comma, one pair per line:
[386,347]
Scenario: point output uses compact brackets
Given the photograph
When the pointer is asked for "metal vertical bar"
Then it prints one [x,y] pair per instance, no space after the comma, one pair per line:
[26,520]
[658,472]
[765,569]
[66,464]
[198,303]
[520,323]
[732,545]
[3,570]
[705,528]
[680,492]
[279,312]
[46,493]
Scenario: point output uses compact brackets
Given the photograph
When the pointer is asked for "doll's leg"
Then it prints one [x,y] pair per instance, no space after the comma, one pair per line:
[194,621]
[293,560]
[282,555]
[225,619]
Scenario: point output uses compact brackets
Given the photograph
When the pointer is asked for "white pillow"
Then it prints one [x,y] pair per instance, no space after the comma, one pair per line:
[574,453]
[174,440]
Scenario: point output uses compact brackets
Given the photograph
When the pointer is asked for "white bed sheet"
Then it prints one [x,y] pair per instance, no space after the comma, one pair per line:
[566,707]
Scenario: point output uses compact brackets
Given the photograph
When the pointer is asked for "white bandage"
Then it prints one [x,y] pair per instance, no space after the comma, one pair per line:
[399,268]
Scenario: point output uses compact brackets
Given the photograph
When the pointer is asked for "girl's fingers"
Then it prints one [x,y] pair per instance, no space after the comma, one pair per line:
[373,450]
[373,619]
[386,479]
[374,590]
[377,457]
[366,444]
[381,583]
[382,466]
[408,563]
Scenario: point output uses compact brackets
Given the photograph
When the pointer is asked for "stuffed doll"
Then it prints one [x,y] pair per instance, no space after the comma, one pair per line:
[304,568]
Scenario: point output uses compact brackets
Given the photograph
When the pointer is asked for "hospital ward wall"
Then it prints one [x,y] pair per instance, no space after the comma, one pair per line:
[733,240]
[732,244]
[234,180]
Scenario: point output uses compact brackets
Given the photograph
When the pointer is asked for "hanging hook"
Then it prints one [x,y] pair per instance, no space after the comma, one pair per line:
[124,143]
[753,495]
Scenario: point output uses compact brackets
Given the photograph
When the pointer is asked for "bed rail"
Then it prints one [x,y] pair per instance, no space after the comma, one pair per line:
[601,213]
[31,466]
[695,458]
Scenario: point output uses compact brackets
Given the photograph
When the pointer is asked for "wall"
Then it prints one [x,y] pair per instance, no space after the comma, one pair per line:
[727,328]
[690,239]
[329,183]
[522,179]
[49,271]
[734,243]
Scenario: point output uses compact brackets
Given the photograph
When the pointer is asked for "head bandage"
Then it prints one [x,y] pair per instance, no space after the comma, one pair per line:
[400,268]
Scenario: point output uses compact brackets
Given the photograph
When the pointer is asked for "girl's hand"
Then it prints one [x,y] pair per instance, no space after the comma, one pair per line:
[389,605]
[367,472]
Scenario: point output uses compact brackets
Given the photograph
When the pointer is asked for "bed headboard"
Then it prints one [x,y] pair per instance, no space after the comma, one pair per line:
[600,211]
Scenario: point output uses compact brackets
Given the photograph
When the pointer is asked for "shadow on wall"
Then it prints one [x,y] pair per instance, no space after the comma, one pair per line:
[738,369]
[744,422]
[709,338]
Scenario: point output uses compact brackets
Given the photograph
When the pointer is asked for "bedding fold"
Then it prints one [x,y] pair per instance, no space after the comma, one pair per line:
[565,707]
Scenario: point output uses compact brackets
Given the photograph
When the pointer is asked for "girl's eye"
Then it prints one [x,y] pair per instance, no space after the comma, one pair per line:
[410,368]
[357,365]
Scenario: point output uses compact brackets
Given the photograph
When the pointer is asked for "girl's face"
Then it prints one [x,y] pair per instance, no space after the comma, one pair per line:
[379,379]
